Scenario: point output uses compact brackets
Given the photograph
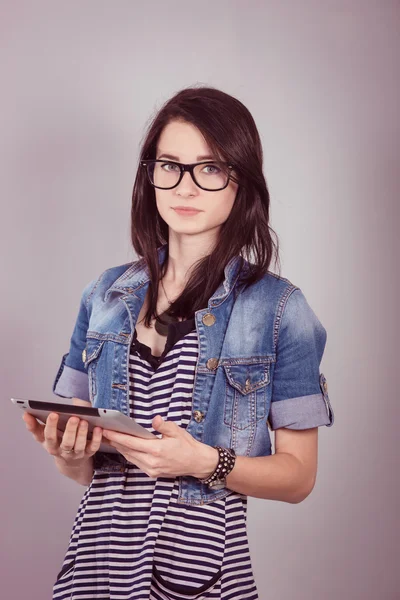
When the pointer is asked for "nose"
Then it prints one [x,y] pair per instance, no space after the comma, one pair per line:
[187,186]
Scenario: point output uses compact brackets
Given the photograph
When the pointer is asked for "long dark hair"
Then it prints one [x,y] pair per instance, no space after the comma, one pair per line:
[231,133]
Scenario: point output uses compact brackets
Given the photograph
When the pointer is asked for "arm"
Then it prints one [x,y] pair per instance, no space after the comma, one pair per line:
[72,377]
[289,475]
[300,404]
[71,381]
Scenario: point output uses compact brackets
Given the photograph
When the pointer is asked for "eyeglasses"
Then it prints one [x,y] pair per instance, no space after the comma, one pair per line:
[209,176]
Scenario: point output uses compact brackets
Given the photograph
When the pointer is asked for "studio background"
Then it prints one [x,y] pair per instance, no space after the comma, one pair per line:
[80,82]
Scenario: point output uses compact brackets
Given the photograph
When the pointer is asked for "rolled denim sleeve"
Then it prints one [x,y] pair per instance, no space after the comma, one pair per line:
[71,380]
[299,391]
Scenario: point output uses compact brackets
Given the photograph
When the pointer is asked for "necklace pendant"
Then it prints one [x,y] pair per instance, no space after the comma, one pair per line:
[160,327]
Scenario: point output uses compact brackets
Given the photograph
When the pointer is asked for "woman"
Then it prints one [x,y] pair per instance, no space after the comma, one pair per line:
[202,345]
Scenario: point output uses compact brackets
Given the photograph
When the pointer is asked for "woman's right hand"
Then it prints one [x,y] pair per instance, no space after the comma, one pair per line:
[57,442]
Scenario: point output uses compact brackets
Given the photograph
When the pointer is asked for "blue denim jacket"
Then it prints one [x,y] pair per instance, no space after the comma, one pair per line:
[257,369]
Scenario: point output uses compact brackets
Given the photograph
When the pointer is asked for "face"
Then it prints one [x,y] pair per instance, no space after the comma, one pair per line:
[186,144]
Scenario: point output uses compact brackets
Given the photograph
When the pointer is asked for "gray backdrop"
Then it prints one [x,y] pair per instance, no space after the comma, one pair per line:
[80,80]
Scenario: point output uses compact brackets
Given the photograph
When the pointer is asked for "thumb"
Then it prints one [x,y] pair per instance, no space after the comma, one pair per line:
[164,427]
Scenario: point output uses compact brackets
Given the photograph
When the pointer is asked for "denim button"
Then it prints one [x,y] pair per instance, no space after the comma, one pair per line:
[208,319]
[198,416]
[84,355]
[212,364]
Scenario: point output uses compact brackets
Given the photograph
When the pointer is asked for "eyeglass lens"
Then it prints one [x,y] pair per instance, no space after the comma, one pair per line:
[211,176]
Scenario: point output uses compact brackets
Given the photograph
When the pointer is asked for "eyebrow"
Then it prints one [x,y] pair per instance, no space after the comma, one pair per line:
[176,158]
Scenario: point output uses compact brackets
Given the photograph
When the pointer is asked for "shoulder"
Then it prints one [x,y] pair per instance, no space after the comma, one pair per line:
[271,287]
[101,282]
[286,302]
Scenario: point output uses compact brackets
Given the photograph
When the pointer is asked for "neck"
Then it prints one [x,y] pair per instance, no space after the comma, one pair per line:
[184,251]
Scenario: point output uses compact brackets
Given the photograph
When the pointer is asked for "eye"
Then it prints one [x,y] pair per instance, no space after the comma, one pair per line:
[214,169]
[174,167]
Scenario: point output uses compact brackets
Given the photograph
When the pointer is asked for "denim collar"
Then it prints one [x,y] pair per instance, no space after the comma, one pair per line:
[138,274]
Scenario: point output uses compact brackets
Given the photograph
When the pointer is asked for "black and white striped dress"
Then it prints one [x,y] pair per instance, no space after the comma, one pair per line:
[130,539]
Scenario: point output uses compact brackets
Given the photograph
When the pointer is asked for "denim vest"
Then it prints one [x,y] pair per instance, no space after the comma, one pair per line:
[257,368]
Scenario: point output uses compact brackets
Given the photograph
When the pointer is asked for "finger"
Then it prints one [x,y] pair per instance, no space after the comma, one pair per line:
[116,445]
[34,427]
[28,418]
[50,433]
[94,444]
[69,437]
[138,458]
[81,437]
[131,441]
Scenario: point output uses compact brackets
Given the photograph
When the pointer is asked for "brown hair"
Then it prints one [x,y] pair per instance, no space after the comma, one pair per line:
[231,133]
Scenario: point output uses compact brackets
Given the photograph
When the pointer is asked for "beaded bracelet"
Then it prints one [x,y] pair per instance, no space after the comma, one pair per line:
[226,462]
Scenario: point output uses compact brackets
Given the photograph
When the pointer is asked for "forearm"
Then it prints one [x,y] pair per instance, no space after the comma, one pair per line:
[279,477]
[82,474]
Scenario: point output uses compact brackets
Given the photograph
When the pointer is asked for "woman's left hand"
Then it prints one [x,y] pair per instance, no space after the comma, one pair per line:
[176,453]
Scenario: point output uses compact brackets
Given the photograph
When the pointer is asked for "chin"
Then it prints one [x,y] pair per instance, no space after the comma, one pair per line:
[185,230]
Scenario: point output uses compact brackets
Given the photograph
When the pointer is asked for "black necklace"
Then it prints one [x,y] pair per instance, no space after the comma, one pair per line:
[162,328]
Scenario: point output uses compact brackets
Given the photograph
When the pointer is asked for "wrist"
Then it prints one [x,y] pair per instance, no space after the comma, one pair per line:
[61,462]
[82,473]
[217,479]
[207,462]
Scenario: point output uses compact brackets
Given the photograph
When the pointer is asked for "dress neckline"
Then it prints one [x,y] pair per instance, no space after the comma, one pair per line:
[176,331]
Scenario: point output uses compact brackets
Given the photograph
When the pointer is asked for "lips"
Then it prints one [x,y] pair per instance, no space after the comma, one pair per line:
[186,209]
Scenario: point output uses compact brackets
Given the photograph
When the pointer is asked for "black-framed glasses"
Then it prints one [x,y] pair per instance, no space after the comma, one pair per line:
[211,176]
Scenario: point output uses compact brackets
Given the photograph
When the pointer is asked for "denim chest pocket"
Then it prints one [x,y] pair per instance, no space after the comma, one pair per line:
[246,394]
[90,358]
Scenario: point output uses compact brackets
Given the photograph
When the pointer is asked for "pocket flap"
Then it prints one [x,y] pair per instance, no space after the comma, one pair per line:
[247,378]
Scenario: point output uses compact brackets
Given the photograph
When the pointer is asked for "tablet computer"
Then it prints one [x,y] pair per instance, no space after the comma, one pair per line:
[96,417]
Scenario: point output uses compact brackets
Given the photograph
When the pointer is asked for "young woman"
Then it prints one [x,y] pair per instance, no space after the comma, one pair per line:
[206,348]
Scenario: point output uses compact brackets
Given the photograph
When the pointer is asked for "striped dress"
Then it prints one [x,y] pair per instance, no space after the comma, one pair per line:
[131,540]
